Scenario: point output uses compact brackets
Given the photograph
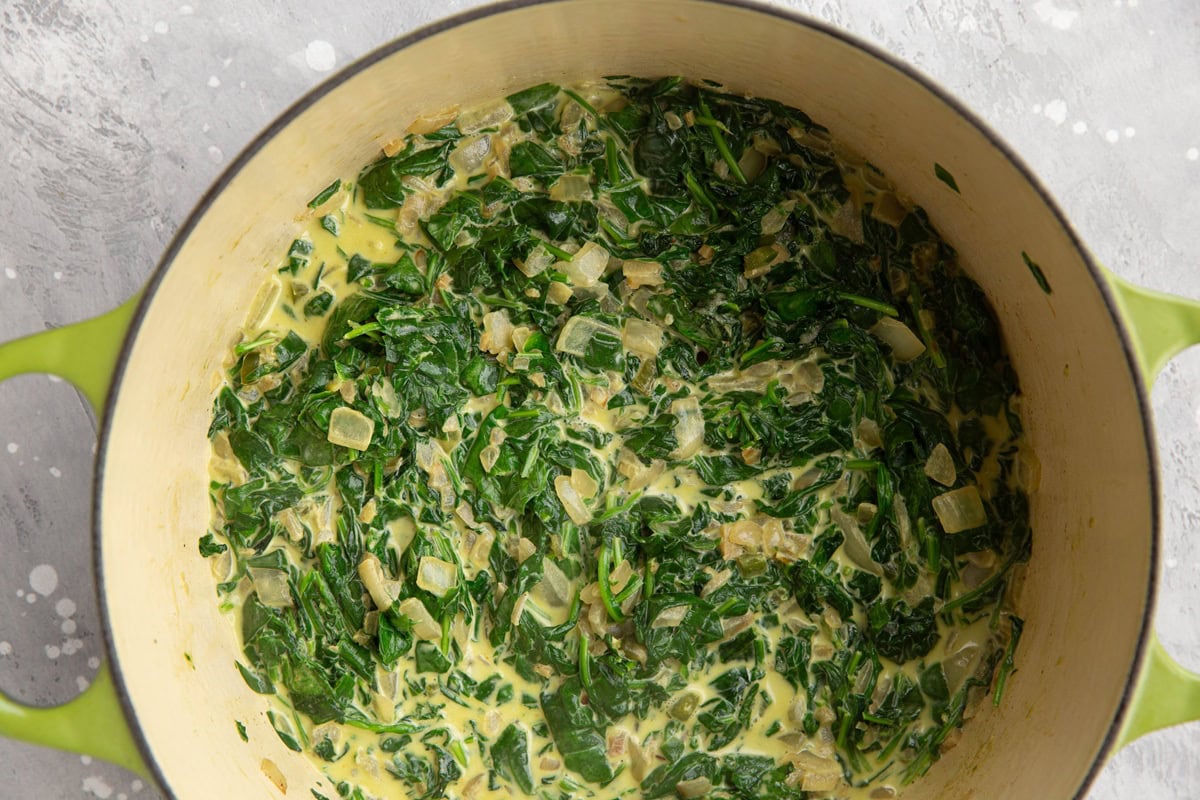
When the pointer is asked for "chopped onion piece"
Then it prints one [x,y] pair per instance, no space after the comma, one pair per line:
[638,474]
[689,427]
[905,344]
[271,585]
[869,433]
[428,123]
[940,466]
[519,608]
[732,626]
[555,587]
[774,220]
[578,333]
[792,548]
[424,625]
[523,550]
[571,189]
[848,221]
[436,576]
[370,570]
[855,545]
[738,538]
[718,580]
[586,266]
[385,397]
[642,338]
[818,774]
[291,523]
[481,550]
[497,332]
[264,302]
[489,116]
[962,664]
[639,272]
[384,708]
[488,457]
[695,787]
[572,502]
[960,510]
[1028,470]
[402,531]
[752,163]
[469,157]
[350,428]
[888,210]
[670,617]
[271,770]
[536,262]
[558,293]
[584,483]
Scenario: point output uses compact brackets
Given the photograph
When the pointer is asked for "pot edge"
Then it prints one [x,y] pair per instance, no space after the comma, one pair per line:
[310,97]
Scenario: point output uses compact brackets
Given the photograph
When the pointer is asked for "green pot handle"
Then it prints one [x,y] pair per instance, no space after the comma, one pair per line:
[1161,326]
[93,723]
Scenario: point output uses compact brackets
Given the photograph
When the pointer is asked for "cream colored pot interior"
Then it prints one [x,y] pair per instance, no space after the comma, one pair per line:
[1086,590]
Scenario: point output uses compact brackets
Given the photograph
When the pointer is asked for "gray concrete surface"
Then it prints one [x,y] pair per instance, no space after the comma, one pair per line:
[115,115]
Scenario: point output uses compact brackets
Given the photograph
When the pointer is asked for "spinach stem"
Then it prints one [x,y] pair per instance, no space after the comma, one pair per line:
[557,252]
[714,127]
[869,302]
[246,347]
[604,576]
[585,662]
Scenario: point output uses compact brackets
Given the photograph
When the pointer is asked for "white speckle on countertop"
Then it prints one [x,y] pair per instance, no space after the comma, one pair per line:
[10,273]
[65,608]
[1130,132]
[5,649]
[82,683]
[186,10]
[161,27]
[31,598]
[57,275]
[43,579]
[55,471]
[215,154]
[1061,18]
[1079,127]
[53,651]
[214,81]
[68,627]
[97,786]
[1192,154]
[94,662]
[136,786]
[1056,111]
[320,55]
[13,447]
[1112,135]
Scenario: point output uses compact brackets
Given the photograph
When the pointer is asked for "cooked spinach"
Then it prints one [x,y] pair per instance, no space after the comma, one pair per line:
[633,394]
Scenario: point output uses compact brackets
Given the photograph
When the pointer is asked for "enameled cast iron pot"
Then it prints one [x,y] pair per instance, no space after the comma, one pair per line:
[1091,675]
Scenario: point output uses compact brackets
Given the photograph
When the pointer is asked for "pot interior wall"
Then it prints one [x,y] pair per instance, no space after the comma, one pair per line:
[1085,593]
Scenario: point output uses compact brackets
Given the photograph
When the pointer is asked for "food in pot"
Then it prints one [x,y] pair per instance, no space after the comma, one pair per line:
[625,439]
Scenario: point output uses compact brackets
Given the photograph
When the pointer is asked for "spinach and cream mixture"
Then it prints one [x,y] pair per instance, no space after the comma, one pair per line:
[621,440]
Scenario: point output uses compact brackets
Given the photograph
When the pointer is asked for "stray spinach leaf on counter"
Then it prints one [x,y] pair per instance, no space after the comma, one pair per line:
[634,444]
